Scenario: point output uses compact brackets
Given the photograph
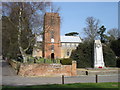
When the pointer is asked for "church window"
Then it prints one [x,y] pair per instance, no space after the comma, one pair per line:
[52,40]
[52,47]
[52,34]
[68,53]
[68,44]
[77,44]
[63,44]
[52,20]
[71,45]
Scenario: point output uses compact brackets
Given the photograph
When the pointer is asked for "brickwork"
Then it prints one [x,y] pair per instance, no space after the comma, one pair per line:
[74,68]
[47,70]
[51,35]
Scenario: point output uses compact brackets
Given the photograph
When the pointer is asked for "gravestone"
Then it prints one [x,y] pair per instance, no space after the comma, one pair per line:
[98,55]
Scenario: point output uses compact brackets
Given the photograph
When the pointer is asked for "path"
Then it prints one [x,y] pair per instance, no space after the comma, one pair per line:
[7,70]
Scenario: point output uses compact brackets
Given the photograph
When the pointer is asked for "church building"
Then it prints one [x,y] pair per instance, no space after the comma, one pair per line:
[51,45]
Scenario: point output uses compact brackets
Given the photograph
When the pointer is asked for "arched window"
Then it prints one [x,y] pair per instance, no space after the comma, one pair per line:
[52,34]
[52,20]
[68,52]
[52,47]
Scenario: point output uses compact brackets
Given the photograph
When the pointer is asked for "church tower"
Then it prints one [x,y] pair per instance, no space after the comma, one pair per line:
[51,37]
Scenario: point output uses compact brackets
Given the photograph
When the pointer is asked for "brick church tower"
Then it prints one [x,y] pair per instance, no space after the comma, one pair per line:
[51,37]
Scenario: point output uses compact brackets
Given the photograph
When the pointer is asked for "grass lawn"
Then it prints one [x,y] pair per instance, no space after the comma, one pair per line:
[109,85]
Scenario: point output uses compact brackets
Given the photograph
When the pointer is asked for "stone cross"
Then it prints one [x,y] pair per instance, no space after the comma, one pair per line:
[98,55]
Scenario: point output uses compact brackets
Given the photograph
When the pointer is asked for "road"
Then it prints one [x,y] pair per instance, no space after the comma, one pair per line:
[9,77]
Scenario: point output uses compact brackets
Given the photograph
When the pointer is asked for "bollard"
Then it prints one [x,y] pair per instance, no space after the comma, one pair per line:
[96,78]
[54,61]
[44,60]
[62,79]
[86,72]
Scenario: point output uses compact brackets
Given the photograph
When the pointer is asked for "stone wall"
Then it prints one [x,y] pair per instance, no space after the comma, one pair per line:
[92,71]
[47,69]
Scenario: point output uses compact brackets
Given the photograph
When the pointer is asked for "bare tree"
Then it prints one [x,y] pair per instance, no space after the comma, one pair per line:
[114,32]
[92,28]
[25,16]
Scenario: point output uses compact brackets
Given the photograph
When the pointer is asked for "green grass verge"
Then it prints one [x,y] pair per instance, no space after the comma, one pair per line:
[75,85]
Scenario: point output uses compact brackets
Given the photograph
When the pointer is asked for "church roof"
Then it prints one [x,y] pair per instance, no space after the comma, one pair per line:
[65,39]
[74,39]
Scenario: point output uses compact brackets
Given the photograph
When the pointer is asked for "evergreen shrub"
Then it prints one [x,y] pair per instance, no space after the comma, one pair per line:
[84,55]
[66,61]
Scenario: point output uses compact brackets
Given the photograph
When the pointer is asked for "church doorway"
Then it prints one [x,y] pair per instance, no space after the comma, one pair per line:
[52,56]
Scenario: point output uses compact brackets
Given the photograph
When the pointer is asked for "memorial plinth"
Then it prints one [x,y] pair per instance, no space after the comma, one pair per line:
[98,55]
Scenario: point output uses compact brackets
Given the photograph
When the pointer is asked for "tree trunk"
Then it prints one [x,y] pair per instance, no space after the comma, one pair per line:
[21,49]
[19,39]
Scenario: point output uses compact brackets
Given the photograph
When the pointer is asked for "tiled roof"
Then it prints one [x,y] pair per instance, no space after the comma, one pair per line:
[70,39]
[74,39]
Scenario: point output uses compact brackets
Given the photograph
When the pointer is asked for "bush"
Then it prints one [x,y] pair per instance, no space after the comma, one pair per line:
[115,46]
[109,56]
[83,55]
[66,61]
[118,62]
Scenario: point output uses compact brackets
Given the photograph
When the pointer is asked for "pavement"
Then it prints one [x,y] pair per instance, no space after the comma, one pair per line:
[9,77]
[7,70]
